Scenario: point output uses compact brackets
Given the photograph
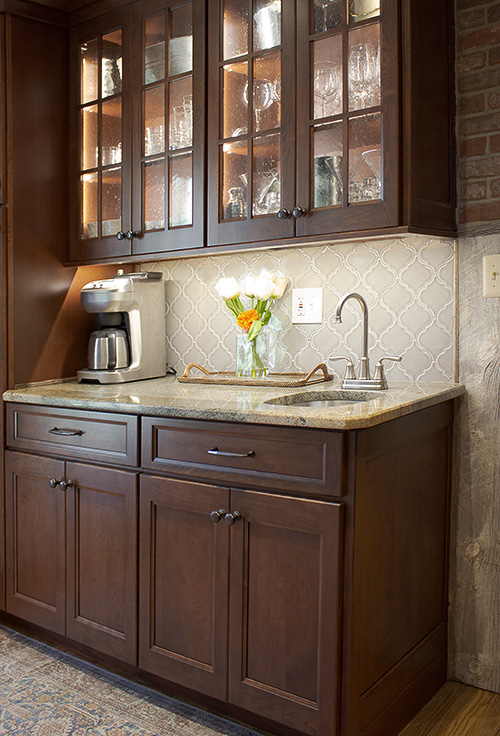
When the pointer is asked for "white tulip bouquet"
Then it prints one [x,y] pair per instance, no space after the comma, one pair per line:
[262,290]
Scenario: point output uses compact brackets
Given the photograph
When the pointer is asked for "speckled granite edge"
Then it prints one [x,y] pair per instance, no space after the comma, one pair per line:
[166,397]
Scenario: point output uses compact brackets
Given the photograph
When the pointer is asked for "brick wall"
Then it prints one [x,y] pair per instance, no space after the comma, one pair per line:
[478,110]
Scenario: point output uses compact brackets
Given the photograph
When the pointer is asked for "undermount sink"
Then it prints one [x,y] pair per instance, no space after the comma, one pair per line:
[322,399]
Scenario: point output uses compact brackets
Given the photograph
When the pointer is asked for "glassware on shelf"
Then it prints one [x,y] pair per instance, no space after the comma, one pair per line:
[263,98]
[364,76]
[363,9]
[267,25]
[326,87]
[181,124]
[328,175]
[327,15]
[236,207]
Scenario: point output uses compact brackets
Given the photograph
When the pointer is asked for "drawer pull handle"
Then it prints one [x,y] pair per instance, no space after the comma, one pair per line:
[216,451]
[216,516]
[66,432]
[231,519]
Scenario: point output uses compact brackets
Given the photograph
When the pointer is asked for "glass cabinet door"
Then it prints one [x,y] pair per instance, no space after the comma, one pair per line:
[169,113]
[251,119]
[347,120]
[103,123]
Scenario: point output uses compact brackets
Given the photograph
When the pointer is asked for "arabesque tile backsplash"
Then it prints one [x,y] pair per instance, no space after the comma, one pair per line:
[408,283]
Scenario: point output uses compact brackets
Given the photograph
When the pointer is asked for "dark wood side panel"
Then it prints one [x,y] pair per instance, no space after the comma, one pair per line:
[286,563]
[102,560]
[184,584]
[430,143]
[400,560]
[35,540]
[85,435]
[297,460]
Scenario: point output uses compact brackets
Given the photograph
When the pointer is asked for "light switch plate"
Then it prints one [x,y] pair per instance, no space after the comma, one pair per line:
[491,275]
[307,306]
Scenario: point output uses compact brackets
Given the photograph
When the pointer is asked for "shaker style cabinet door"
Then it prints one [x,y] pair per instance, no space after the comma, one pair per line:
[183,572]
[169,114]
[35,540]
[101,578]
[285,602]
[101,56]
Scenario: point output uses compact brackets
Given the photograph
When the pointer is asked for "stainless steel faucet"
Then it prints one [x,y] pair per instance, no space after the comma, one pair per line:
[365,379]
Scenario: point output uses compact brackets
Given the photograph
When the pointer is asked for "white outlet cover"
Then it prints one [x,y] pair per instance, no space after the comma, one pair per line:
[307,306]
[491,275]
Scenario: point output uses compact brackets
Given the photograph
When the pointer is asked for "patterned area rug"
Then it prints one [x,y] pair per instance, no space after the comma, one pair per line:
[44,692]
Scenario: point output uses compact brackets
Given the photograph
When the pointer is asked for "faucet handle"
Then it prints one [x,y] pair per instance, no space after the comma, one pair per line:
[349,369]
[379,374]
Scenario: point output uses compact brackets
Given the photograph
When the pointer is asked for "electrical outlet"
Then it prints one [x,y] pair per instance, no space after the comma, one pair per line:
[491,275]
[307,306]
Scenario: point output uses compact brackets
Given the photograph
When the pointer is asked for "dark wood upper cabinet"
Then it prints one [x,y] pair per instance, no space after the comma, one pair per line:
[138,131]
[319,118]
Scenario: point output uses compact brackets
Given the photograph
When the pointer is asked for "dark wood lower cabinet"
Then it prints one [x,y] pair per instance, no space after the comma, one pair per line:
[184,584]
[273,577]
[72,552]
[321,612]
[35,540]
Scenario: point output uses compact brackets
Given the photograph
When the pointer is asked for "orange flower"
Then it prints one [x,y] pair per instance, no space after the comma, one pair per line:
[245,319]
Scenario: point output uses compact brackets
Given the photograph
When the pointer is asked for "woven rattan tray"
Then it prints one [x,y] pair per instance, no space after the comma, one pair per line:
[291,380]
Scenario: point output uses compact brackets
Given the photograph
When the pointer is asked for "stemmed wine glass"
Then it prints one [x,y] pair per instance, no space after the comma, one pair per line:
[327,86]
[263,97]
[364,75]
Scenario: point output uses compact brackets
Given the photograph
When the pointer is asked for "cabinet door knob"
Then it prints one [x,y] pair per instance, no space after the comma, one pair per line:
[232,518]
[299,212]
[216,516]
[64,484]
[132,234]
[120,235]
[284,214]
[54,482]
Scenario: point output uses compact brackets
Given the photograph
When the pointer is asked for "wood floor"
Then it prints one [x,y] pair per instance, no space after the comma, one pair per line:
[458,710]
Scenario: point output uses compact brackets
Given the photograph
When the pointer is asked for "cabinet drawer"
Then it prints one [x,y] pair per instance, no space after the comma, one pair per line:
[300,460]
[86,435]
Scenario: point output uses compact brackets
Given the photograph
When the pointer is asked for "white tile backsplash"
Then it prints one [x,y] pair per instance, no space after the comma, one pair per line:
[408,283]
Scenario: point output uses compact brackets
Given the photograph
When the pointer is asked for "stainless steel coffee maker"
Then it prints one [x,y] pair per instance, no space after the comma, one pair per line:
[130,342]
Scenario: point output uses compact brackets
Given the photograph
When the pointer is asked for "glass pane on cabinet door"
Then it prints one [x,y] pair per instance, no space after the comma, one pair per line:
[363,67]
[181,41]
[365,169]
[235,29]
[181,113]
[266,187]
[111,72]
[89,71]
[111,132]
[181,190]
[363,9]
[154,49]
[154,120]
[234,180]
[235,100]
[111,201]
[328,173]
[327,15]
[89,206]
[154,194]
[266,24]
[267,92]
[90,137]
[327,77]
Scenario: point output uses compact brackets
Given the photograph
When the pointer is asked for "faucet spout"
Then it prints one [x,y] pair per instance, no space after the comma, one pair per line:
[364,373]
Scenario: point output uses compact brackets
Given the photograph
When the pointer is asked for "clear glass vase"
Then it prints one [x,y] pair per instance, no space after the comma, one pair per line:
[252,356]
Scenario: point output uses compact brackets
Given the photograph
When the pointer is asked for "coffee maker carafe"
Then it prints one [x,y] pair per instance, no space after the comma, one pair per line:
[130,342]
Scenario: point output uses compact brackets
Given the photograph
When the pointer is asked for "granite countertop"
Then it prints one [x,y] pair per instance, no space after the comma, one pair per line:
[167,397]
